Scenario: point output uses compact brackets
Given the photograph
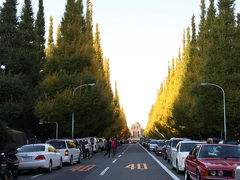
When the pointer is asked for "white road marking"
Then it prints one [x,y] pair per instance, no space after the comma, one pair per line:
[104,171]
[36,176]
[119,156]
[162,166]
[114,160]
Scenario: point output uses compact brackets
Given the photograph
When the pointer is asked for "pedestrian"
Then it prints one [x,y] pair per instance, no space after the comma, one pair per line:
[87,149]
[108,147]
[83,149]
[114,146]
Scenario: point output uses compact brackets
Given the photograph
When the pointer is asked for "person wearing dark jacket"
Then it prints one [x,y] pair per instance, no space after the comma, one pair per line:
[108,147]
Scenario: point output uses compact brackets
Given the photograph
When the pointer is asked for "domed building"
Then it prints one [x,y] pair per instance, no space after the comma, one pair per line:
[136,130]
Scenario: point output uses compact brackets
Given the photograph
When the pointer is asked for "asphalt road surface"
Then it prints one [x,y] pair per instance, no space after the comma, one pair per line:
[132,162]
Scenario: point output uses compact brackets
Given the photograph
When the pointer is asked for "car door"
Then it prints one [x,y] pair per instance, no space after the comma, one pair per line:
[175,152]
[57,156]
[192,162]
[52,155]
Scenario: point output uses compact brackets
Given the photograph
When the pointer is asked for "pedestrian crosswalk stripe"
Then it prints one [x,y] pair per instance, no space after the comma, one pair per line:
[83,168]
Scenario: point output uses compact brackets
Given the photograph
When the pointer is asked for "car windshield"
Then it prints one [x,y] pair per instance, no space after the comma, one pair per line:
[187,147]
[174,142]
[153,142]
[161,143]
[219,151]
[58,144]
[33,148]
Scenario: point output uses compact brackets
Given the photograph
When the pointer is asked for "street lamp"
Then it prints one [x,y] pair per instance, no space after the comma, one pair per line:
[3,67]
[42,122]
[78,87]
[224,106]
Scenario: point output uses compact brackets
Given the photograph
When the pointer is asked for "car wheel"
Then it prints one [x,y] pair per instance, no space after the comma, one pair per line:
[186,176]
[61,164]
[177,168]
[198,176]
[173,168]
[71,161]
[79,159]
[50,167]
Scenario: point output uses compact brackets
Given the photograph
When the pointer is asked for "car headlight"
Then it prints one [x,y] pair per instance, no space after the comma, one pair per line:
[220,173]
[213,173]
[237,172]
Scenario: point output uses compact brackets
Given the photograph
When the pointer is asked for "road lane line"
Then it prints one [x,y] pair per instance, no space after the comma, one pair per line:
[104,171]
[119,156]
[114,160]
[36,176]
[162,166]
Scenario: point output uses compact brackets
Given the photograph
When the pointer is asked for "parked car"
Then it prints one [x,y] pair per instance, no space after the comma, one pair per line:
[180,153]
[152,144]
[146,142]
[172,146]
[68,150]
[164,149]
[38,156]
[158,149]
[213,161]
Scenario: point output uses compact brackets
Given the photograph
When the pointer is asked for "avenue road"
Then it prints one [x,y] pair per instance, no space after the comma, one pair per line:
[131,162]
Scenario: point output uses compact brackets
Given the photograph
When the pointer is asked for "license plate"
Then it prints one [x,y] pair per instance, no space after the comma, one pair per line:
[26,158]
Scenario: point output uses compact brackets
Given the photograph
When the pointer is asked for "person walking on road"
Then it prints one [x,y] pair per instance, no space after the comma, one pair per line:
[108,147]
[114,146]
[87,152]
[83,149]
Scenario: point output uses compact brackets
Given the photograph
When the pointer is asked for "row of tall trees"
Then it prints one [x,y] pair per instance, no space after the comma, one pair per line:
[39,83]
[184,107]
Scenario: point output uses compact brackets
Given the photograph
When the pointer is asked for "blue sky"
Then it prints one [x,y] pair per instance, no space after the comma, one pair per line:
[139,37]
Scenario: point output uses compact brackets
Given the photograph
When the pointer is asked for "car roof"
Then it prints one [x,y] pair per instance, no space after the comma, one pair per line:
[179,138]
[205,144]
[185,142]
[40,144]
[59,140]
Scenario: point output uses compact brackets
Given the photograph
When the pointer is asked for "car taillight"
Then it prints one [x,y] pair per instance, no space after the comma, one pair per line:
[40,157]
[66,153]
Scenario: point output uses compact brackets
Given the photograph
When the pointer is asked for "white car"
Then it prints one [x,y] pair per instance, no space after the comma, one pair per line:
[152,145]
[180,153]
[68,150]
[38,156]
[172,147]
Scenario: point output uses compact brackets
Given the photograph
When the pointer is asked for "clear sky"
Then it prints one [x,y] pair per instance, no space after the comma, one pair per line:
[139,37]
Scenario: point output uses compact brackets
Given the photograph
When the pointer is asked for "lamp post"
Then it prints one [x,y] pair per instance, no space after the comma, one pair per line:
[42,122]
[78,87]
[224,106]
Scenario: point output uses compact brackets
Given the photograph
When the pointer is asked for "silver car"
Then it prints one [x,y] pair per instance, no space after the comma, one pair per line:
[152,145]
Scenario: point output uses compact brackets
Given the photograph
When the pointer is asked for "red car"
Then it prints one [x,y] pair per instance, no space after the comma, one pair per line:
[213,161]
